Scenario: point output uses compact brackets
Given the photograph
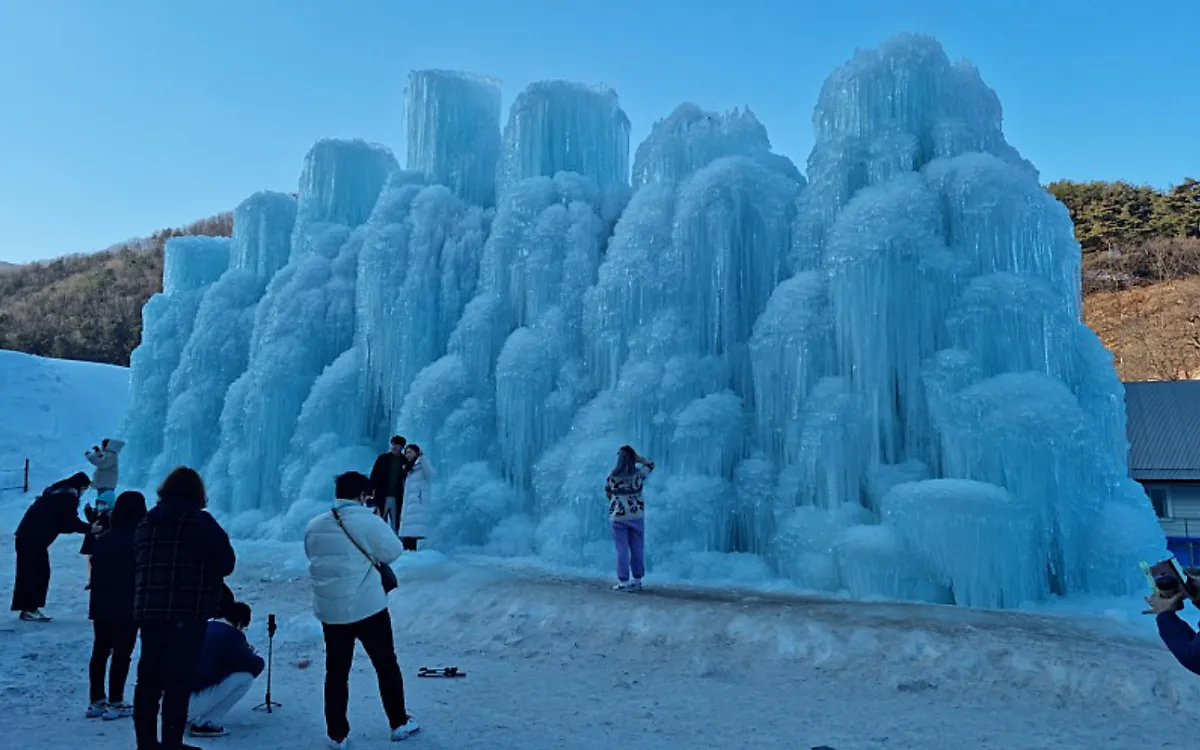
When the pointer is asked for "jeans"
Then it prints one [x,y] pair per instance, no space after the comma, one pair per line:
[211,704]
[629,537]
[116,639]
[170,655]
[375,635]
[33,577]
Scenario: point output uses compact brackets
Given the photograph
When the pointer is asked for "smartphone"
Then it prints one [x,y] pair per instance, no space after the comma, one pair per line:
[1169,579]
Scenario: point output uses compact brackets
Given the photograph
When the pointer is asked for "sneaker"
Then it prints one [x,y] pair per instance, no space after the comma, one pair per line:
[635,584]
[405,730]
[118,710]
[341,744]
[207,729]
[96,709]
[35,616]
[622,586]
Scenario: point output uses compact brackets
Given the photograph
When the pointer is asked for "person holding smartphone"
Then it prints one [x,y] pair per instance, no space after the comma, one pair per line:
[1179,637]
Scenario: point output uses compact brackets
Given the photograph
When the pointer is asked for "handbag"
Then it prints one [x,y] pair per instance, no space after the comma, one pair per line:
[387,576]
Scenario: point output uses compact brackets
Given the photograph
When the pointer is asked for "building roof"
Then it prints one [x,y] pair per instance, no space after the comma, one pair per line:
[1163,425]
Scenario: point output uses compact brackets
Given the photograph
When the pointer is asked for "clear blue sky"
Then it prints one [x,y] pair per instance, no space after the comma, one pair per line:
[120,117]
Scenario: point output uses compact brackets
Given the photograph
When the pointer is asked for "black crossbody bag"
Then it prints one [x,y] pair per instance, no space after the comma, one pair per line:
[387,576]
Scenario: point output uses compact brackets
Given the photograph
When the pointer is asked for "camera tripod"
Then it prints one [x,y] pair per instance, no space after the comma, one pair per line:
[268,704]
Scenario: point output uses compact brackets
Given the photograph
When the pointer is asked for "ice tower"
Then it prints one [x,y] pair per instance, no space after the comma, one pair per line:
[454,131]
[873,379]
[190,265]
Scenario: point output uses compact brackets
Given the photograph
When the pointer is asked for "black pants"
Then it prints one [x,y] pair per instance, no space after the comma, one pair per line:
[170,655]
[33,577]
[375,634]
[410,543]
[113,638]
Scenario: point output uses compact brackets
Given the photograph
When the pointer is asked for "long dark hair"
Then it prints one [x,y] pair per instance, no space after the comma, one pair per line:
[626,464]
[129,510]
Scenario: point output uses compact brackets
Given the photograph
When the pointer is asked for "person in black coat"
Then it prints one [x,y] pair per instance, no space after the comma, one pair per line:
[387,482]
[111,607]
[54,512]
[182,556]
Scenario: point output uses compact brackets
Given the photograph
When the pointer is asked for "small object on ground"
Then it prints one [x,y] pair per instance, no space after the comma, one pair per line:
[96,710]
[405,730]
[823,747]
[35,616]
[116,711]
[440,672]
[207,729]
[304,663]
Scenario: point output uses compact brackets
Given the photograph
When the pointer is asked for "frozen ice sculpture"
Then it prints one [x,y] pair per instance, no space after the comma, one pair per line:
[872,380]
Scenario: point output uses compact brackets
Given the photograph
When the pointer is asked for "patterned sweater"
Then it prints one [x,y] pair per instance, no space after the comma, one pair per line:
[625,495]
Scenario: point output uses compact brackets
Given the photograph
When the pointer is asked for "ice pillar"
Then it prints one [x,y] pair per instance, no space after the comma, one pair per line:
[454,131]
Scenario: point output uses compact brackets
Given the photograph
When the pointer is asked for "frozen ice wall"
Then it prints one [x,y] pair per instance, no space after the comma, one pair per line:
[304,321]
[217,351]
[873,379]
[190,266]
[559,126]
[454,131]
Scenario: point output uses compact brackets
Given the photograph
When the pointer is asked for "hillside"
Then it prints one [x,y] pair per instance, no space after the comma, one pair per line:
[88,307]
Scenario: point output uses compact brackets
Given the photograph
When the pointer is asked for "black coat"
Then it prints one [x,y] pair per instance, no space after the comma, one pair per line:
[56,511]
[381,476]
[112,554]
[182,556]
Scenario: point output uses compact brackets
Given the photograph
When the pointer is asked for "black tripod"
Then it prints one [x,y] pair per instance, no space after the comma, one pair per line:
[269,704]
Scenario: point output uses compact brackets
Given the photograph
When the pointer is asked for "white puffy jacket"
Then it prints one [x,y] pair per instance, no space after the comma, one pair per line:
[346,586]
[418,491]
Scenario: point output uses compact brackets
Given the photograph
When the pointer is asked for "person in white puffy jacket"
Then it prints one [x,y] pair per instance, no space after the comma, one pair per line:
[343,545]
[418,491]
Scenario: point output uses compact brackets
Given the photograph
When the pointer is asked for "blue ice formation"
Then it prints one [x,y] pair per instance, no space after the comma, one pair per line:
[872,378]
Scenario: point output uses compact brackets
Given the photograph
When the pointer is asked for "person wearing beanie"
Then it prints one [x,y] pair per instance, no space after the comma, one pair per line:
[54,512]
[100,520]
[181,559]
[228,667]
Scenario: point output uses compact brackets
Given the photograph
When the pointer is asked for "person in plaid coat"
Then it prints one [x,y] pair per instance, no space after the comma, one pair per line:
[182,556]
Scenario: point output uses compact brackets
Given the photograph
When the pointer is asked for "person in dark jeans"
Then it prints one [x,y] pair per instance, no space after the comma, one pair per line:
[54,512]
[182,558]
[343,546]
[387,482]
[111,607]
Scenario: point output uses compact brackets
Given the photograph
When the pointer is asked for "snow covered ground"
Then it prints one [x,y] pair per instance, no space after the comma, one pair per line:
[561,662]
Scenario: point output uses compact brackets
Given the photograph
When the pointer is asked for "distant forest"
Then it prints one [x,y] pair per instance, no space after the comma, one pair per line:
[89,307]
[1133,237]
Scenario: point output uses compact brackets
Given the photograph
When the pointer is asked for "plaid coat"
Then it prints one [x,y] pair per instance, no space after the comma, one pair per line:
[182,556]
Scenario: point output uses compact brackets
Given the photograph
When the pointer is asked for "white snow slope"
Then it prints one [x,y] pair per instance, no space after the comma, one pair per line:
[564,663]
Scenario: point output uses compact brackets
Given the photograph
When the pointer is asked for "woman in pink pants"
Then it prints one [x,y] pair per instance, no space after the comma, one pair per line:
[627,512]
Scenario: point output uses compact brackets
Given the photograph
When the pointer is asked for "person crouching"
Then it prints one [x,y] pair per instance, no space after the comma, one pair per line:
[228,667]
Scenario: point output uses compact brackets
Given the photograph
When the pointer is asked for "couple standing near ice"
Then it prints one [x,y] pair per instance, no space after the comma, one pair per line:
[400,490]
